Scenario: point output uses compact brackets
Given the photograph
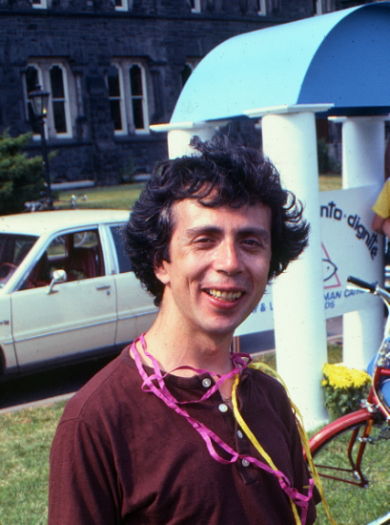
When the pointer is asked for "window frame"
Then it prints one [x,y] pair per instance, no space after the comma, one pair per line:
[195,6]
[124,5]
[190,65]
[127,99]
[40,4]
[44,68]
[322,7]
[121,102]
[261,7]
[61,258]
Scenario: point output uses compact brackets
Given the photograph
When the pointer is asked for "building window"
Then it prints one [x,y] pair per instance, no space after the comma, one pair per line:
[123,5]
[261,7]
[39,4]
[185,73]
[53,77]
[195,6]
[321,7]
[188,68]
[126,83]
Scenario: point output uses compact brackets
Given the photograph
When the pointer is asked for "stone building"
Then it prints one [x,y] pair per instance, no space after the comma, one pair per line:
[112,68]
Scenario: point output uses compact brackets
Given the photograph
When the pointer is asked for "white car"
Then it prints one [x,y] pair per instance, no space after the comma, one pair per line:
[66,288]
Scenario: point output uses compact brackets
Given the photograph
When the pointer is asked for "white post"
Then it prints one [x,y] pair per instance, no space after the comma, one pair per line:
[363,143]
[289,140]
[179,139]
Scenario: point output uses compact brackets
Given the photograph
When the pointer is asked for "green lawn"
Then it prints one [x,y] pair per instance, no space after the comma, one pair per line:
[351,505]
[122,197]
[25,438]
[330,181]
[26,435]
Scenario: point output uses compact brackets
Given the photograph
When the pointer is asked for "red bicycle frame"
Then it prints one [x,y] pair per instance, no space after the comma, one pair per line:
[360,424]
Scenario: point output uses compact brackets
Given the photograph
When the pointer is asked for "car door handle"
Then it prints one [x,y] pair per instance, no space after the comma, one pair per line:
[103,287]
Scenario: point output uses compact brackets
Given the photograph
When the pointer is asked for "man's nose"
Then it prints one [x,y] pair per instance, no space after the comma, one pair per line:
[228,258]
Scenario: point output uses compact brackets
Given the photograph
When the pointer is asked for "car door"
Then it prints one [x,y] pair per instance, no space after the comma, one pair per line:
[75,316]
[136,310]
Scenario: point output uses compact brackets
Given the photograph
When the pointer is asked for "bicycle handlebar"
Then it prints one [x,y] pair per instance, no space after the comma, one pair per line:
[370,287]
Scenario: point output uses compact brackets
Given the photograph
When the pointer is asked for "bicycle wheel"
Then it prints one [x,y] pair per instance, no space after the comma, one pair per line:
[349,453]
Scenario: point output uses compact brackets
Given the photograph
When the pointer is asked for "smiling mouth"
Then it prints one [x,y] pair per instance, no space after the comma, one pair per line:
[225,295]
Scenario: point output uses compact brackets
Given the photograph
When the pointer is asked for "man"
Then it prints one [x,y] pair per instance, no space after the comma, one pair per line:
[381,209]
[152,438]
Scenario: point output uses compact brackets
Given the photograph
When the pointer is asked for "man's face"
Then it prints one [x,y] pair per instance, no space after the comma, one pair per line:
[219,264]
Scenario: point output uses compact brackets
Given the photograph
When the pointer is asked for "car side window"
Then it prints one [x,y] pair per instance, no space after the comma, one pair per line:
[84,255]
[13,249]
[79,254]
[119,241]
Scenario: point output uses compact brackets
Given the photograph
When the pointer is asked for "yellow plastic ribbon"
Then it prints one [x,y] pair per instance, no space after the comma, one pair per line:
[252,438]
[304,440]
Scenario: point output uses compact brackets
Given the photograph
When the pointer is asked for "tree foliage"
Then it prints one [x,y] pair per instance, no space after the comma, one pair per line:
[21,177]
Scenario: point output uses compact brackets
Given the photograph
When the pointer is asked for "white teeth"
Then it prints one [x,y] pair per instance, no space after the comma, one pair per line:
[228,296]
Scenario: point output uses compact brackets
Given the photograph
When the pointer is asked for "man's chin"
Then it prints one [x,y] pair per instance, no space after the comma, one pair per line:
[222,329]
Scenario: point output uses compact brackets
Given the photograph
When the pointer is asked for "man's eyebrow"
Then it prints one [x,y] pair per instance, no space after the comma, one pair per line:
[241,232]
[207,228]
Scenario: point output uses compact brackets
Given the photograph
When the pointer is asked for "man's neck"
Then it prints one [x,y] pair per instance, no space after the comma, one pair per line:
[173,347]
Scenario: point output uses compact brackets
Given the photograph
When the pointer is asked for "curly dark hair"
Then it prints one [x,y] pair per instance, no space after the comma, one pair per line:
[222,175]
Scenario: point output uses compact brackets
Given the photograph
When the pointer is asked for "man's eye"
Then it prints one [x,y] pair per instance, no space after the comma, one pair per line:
[203,240]
[252,242]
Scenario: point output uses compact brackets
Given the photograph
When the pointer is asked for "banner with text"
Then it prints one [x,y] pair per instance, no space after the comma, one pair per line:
[349,247]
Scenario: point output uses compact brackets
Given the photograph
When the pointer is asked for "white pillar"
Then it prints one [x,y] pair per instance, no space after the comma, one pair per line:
[179,139]
[363,143]
[363,151]
[289,140]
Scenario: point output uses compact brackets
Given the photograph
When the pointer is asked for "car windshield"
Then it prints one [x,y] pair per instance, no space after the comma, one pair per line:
[13,249]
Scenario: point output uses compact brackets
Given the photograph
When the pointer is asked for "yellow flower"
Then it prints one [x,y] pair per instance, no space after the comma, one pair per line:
[343,388]
[342,377]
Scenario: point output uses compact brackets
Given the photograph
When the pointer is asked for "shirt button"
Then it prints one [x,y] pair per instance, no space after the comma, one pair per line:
[245,463]
[240,434]
[223,408]
[206,382]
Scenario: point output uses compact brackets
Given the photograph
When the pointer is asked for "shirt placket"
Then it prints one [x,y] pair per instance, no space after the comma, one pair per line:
[246,470]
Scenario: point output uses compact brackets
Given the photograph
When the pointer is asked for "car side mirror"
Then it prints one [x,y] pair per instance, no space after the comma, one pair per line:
[58,276]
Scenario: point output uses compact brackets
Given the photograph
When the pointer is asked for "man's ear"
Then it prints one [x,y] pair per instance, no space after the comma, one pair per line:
[161,271]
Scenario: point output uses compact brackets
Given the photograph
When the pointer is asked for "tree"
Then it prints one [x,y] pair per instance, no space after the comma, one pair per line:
[21,177]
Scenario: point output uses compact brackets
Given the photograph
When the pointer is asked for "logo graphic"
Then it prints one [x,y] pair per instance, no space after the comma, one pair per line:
[329,268]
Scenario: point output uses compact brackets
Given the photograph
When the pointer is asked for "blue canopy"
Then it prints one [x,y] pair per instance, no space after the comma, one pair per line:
[342,58]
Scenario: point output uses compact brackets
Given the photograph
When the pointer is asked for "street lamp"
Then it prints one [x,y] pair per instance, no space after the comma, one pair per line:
[39,100]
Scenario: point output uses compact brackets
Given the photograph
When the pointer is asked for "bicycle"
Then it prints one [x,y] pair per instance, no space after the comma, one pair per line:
[352,449]
[42,204]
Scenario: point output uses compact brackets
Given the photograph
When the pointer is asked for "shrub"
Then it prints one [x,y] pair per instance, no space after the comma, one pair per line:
[344,388]
[20,176]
